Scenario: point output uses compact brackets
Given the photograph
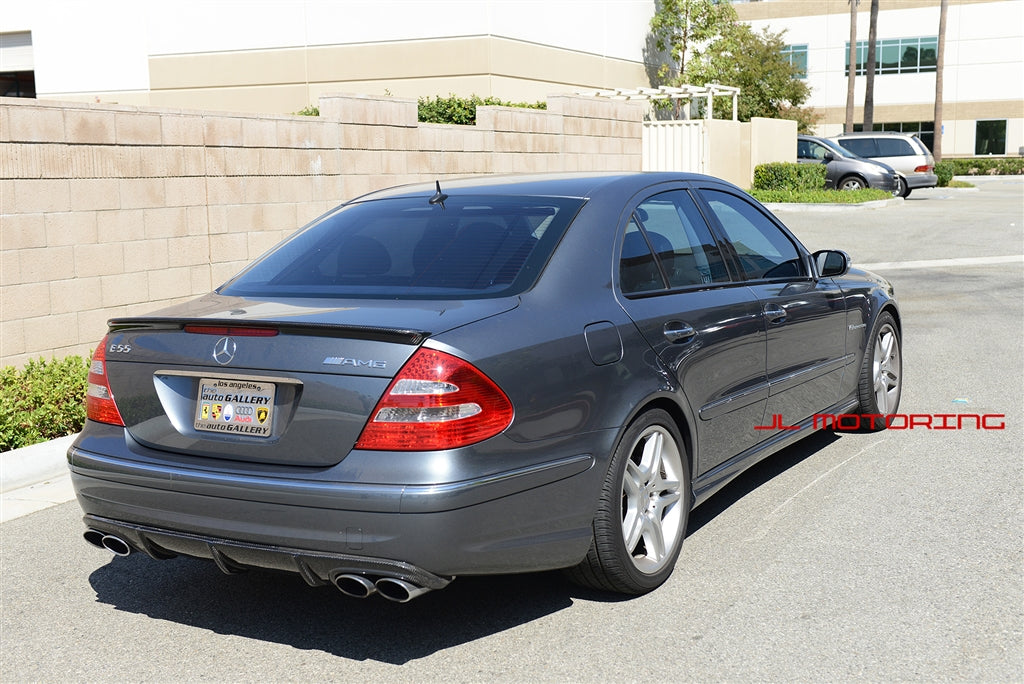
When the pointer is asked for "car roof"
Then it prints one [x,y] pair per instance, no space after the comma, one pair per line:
[579,185]
[865,134]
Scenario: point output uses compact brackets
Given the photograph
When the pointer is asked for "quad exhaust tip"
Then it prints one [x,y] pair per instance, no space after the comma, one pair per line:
[350,584]
[391,588]
[356,586]
[110,542]
[398,590]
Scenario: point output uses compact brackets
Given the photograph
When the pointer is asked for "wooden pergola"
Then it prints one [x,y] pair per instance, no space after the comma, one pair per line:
[685,92]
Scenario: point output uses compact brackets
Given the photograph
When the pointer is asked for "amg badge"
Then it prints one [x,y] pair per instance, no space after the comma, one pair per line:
[356,363]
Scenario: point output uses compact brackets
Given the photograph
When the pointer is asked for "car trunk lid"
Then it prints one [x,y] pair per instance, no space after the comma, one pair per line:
[277,382]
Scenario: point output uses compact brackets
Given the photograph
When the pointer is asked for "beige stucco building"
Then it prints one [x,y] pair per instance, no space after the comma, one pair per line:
[277,56]
[983,84]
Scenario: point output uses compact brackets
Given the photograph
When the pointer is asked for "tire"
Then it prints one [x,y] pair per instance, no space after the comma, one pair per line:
[881,373]
[642,511]
[902,189]
[852,183]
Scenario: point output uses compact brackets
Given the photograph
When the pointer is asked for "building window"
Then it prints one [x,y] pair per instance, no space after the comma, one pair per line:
[990,137]
[17,84]
[17,67]
[897,56]
[925,130]
[797,56]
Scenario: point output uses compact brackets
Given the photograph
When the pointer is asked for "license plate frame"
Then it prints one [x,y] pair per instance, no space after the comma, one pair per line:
[240,407]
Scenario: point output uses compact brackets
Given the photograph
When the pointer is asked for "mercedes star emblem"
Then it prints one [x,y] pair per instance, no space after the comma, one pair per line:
[224,350]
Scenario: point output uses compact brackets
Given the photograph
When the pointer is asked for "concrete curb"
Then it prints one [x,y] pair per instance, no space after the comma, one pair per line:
[793,207]
[33,464]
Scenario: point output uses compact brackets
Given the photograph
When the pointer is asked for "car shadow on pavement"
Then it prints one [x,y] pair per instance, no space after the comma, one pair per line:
[757,475]
[281,608]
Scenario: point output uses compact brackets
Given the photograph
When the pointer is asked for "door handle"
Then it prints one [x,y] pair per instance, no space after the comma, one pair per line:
[678,332]
[775,314]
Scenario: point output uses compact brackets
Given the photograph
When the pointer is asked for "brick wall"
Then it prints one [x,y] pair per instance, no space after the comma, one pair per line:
[109,210]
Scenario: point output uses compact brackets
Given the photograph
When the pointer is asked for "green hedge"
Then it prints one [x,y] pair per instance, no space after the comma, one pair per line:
[43,401]
[982,166]
[789,176]
[821,196]
[462,110]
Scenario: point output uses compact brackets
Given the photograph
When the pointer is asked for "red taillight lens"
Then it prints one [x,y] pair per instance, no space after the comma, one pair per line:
[236,331]
[437,401]
[99,400]
[922,169]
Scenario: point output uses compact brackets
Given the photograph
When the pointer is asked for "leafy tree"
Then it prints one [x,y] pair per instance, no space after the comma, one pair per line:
[682,28]
[706,43]
[769,84]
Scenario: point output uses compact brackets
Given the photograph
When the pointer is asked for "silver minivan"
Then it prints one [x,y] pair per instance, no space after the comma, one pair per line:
[843,169]
[913,162]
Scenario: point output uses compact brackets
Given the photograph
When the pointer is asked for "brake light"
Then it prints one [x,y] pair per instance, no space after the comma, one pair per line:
[99,400]
[922,169]
[235,331]
[437,401]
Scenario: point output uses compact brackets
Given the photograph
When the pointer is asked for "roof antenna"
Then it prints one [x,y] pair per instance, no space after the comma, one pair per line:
[439,197]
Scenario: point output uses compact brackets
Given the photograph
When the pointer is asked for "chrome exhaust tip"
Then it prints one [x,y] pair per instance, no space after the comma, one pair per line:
[398,590]
[356,586]
[116,545]
[94,537]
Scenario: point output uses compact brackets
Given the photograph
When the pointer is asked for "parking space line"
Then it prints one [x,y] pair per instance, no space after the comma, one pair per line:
[943,263]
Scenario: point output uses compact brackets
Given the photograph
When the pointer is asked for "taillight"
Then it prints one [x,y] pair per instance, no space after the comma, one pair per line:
[922,169]
[437,401]
[99,400]
[236,331]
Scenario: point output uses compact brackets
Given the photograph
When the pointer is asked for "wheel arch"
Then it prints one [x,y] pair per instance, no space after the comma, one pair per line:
[685,426]
[891,309]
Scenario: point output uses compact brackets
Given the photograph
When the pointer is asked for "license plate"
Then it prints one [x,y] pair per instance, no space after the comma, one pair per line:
[235,407]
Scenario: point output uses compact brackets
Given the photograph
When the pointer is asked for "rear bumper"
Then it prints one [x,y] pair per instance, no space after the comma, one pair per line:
[528,519]
[922,180]
[233,556]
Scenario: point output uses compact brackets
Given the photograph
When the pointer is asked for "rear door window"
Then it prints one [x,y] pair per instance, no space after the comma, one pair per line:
[894,147]
[474,246]
[667,244]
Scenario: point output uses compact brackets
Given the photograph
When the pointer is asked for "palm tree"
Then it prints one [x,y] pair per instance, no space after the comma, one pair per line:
[852,77]
[869,84]
[940,59]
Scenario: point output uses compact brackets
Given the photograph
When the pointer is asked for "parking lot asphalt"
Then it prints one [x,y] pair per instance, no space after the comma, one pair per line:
[849,557]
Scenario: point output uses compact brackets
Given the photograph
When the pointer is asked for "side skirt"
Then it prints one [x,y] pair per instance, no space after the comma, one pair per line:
[710,482]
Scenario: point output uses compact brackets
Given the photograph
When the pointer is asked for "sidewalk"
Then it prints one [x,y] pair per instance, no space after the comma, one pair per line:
[35,477]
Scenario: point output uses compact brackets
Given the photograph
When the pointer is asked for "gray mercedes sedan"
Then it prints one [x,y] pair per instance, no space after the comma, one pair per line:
[495,375]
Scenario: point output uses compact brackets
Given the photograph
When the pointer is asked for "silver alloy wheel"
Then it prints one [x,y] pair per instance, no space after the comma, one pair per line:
[851,183]
[901,187]
[652,507]
[885,370]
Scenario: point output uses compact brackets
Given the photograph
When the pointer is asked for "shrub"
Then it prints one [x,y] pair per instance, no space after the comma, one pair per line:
[461,110]
[45,400]
[982,166]
[944,171]
[309,110]
[821,196]
[789,176]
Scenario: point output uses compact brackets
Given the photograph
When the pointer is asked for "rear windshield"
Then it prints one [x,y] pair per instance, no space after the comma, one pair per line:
[473,247]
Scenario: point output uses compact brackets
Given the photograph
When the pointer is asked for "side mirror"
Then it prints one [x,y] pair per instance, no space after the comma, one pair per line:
[831,263]
[829,157]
